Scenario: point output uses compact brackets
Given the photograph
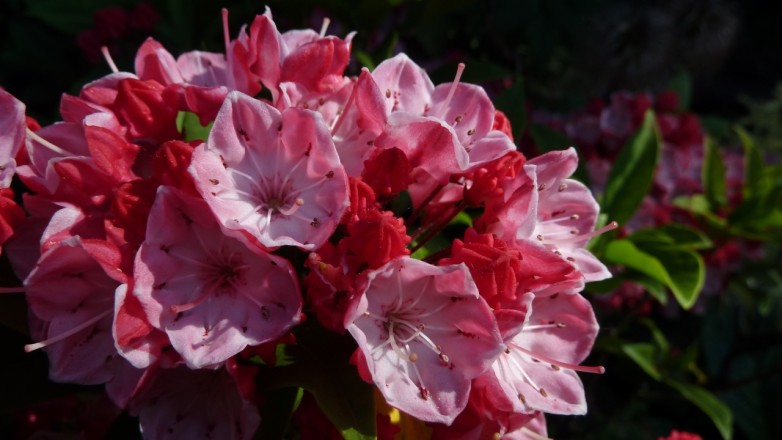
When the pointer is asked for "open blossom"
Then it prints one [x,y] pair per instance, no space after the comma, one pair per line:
[272,176]
[183,403]
[464,107]
[210,293]
[424,332]
[543,204]
[537,371]
[12,135]
[77,320]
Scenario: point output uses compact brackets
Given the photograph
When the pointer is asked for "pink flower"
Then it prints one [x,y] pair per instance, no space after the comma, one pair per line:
[543,204]
[464,107]
[363,117]
[681,435]
[12,135]
[505,271]
[72,291]
[566,212]
[537,372]
[271,176]
[12,216]
[304,57]
[211,294]
[188,404]
[424,332]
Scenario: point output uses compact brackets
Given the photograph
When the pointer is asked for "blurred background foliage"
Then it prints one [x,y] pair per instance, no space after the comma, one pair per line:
[715,370]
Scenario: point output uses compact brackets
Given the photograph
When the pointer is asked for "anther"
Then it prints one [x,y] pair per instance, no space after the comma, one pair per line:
[562,187]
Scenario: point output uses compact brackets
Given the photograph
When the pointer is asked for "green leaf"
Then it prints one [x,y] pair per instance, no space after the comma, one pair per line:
[672,235]
[364,59]
[512,102]
[682,271]
[713,175]
[633,172]
[626,253]
[278,408]
[322,367]
[190,126]
[753,163]
[760,216]
[699,205]
[643,354]
[654,288]
[718,412]
[659,338]
[462,218]
[686,271]
[436,244]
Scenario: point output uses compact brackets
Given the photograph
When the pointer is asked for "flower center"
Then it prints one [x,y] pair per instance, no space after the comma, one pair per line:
[224,271]
[275,196]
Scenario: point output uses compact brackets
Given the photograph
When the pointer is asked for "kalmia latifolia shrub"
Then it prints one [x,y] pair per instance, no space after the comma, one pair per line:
[178,233]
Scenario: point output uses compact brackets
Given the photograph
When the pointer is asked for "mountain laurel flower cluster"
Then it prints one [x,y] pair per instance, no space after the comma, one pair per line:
[177,228]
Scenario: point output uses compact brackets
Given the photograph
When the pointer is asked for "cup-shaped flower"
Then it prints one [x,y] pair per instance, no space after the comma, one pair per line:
[12,135]
[537,372]
[425,333]
[182,403]
[272,176]
[71,290]
[566,212]
[210,293]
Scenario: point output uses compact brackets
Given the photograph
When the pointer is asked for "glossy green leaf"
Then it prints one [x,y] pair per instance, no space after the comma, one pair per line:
[364,59]
[699,205]
[654,288]
[753,163]
[718,412]
[760,216]
[633,172]
[643,354]
[672,235]
[322,367]
[682,271]
[686,271]
[659,338]
[277,411]
[713,175]
[190,126]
